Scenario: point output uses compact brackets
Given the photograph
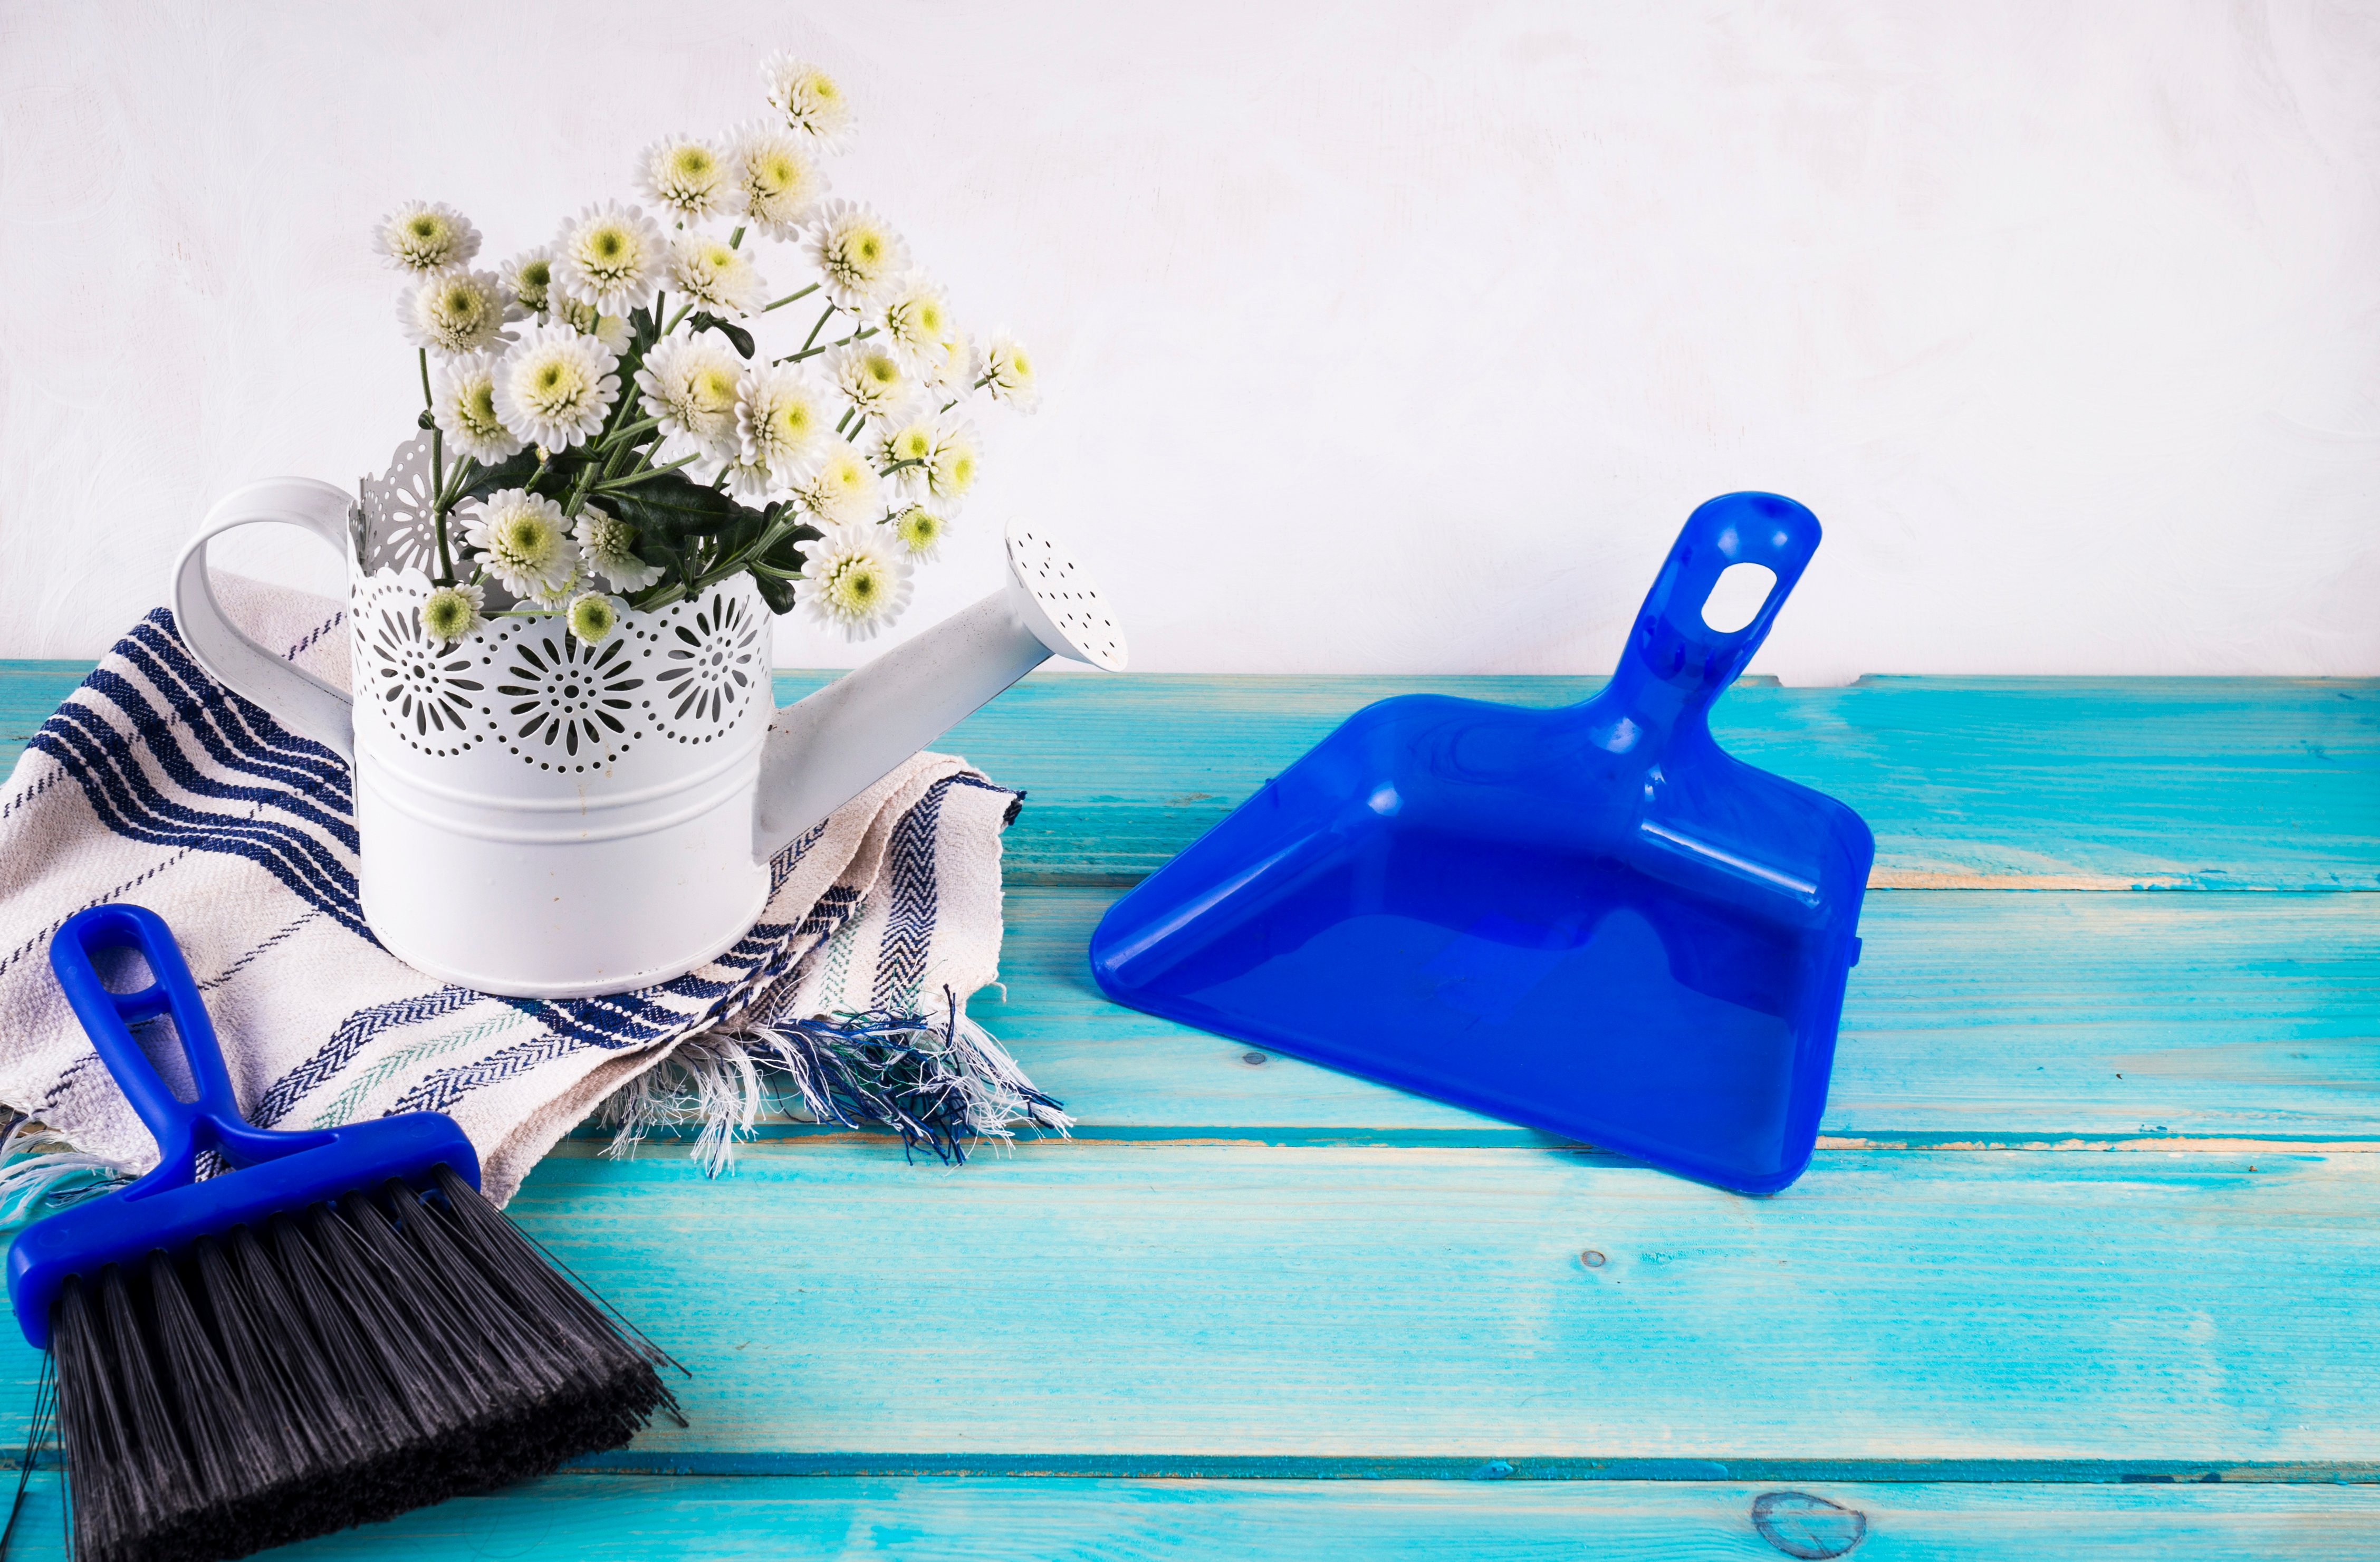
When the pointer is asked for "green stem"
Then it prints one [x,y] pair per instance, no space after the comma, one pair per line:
[805,340]
[437,473]
[736,241]
[790,298]
[614,485]
[639,426]
[683,311]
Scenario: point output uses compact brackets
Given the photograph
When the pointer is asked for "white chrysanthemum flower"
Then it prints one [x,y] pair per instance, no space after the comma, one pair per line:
[689,179]
[921,531]
[852,581]
[713,272]
[522,540]
[451,612]
[752,483]
[950,476]
[610,256]
[593,616]
[905,451]
[950,364]
[836,483]
[454,312]
[554,387]
[781,413]
[426,236]
[689,386]
[565,589]
[580,316]
[780,182]
[810,100]
[610,544]
[916,318]
[465,410]
[528,278]
[873,378]
[857,254]
[1008,373]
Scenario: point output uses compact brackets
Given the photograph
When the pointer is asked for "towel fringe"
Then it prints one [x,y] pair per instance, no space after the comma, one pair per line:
[40,1172]
[945,1085]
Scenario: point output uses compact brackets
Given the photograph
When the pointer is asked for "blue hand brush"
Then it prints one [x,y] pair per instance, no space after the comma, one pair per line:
[335,1331]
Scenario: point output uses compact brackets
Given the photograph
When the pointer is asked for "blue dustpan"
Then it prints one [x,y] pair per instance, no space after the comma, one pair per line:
[1588,919]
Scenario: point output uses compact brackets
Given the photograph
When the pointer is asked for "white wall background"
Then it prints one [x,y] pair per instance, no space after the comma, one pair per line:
[1389,337]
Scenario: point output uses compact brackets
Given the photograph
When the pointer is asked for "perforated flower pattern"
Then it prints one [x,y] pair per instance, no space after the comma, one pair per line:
[567,705]
[522,685]
[395,514]
[429,691]
[707,665]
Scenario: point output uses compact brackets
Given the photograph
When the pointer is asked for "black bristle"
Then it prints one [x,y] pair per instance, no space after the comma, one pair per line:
[349,1362]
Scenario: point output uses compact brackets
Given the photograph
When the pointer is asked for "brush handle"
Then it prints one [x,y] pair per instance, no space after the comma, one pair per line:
[182,1128]
[1676,665]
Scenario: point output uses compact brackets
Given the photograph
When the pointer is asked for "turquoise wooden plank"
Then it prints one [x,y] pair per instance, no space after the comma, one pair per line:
[1973,1016]
[1950,1312]
[2206,782]
[2105,783]
[596,1517]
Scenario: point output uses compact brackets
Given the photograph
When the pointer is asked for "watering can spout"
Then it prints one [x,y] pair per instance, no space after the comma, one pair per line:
[826,749]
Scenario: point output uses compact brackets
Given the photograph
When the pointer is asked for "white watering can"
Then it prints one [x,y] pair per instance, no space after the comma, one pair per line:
[541,818]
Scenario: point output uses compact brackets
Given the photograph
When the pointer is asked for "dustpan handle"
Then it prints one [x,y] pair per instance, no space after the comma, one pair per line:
[1675,663]
[182,1128]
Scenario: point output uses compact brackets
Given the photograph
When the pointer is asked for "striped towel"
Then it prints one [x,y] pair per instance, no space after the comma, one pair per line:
[153,783]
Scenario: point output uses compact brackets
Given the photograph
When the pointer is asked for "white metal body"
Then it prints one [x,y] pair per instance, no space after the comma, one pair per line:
[539,818]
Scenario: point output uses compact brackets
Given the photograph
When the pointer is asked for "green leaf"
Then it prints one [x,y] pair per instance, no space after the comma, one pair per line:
[786,551]
[424,421]
[778,594]
[671,508]
[738,337]
[512,471]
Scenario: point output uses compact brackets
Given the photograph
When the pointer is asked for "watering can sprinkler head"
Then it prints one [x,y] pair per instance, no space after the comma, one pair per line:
[826,750]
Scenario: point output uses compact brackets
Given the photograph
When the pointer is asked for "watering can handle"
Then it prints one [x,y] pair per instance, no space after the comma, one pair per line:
[1672,652]
[294,697]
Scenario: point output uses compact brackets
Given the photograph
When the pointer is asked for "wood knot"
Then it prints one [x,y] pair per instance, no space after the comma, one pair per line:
[1799,1524]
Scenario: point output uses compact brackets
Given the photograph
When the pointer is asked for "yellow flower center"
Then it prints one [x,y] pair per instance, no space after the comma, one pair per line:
[445,613]
[694,163]
[557,384]
[794,420]
[855,586]
[955,473]
[591,618]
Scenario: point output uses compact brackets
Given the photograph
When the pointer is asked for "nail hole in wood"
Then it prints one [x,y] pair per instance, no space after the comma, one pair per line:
[1591,1259]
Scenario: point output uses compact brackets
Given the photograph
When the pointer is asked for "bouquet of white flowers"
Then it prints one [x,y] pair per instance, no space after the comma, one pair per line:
[633,442]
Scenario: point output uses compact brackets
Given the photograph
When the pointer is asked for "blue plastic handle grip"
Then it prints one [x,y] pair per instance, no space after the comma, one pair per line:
[182,1128]
[1674,662]
[170,1208]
